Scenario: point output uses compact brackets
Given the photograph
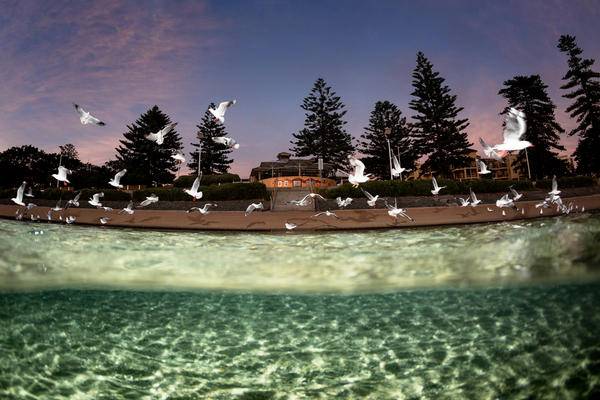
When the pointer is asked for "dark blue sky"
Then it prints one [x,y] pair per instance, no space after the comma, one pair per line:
[118,59]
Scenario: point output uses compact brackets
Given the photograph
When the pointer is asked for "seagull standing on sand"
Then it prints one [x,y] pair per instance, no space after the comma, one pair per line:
[359,170]
[86,118]
[117,179]
[62,175]
[159,137]
[328,213]
[253,207]
[19,198]
[128,209]
[514,127]
[290,226]
[219,112]
[95,200]
[483,169]
[229,142]
[436,188]
[151,199]
[203,210]
[194,190]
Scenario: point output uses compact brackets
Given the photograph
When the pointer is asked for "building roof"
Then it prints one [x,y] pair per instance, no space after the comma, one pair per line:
[286,162]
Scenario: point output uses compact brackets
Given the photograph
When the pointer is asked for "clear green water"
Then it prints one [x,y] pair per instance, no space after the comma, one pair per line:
[499,311]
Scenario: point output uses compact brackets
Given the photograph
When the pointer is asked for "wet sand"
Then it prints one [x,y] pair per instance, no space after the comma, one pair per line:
[305,220]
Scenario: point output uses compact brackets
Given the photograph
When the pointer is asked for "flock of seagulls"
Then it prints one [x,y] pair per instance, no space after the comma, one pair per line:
[514,129]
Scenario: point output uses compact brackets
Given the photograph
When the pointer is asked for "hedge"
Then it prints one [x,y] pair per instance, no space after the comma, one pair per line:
[227,191]
[567,182]
[187,181]
[57,194]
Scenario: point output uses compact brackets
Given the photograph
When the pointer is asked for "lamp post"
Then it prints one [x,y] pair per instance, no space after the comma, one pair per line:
[387,132]
[200,137]
[527,157]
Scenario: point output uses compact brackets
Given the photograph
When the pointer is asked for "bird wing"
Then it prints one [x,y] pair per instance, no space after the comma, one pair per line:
[153,136]
[20,192]
[119,175]
[369,195]
[435,184]
[319,214]
[221,139]
[79,110]
[96,121]
[514,125]
[196,183]
[333,215]
[359,167]
[554,184]
[396,163]
[224,106]
[473,197]
[250,208]
[169,128]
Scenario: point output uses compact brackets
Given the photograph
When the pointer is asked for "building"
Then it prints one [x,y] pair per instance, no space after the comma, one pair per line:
[291,172]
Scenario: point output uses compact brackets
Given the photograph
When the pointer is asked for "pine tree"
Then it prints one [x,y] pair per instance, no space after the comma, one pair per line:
[528,94]
[375,147]
[147,162]
[214,155]
[323,135]
[437,133]
[586,107]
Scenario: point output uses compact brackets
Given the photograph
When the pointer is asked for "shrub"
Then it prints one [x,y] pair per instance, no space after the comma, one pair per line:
[207,180]
[567,182]
[493,186]
[109,194]
[227,191]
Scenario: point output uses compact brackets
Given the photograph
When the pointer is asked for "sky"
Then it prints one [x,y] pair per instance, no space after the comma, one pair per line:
[117,59]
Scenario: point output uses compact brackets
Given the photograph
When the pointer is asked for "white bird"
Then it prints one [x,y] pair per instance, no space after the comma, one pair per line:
[555,190]
[397,169]
[19,197]
[203,210]
[95,200]
[312,196]
[503,213]
[178,156]
[474,200]
[194,190]
[107,209]
[394,211]
[116,181]
[543,204]
[49,215]
[74,201]
[371,199]
[104,220]
[359,170]
[70,219]
[328,213]
[19,217]
[515,193]
[62,175]
[86,118]
[57,207]
[343,203]
[490,210]
[128,209]
[29,193]
[464,202]
[483,169]
[219,112]
[522,210]
[514,128]
[299,203]
[159,137]
[34,219]
[290,226]
[436,188]
[30,206]
[253,207]
[506,202]
[489,152]
[229,142]
[151,199]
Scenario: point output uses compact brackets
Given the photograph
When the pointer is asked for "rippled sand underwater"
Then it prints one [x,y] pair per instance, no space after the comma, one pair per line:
[527,342]
[493,311]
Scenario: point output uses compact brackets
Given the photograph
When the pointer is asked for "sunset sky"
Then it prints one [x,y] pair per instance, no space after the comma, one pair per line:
[118,59]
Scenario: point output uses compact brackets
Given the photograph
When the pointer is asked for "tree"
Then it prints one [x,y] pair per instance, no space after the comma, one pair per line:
[214,155]
[27,163]
[70,157]
[375,147]
[323,135]
[528,94]
[146,161]
[437,133]
[586,107]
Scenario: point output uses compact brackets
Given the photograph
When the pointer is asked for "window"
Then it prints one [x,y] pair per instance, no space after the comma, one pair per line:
[279,183]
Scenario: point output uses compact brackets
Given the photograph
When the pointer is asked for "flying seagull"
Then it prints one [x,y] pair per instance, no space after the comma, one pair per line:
[128,209]
[514,128]
[219,112]
[371,199]
[489,152]
[436,188]
[74,201]
[151,199]
[343,203]
[253,207]
[515,193]
[95,200]
[483,169]
[229,142]
[394,211]
[474,200]
[178,156]
[117,179]
[203,210]
[194,190]
[62,175]
[159,137]
[86,118]
[328,213]
[359,170]
[29,193]
[19,197]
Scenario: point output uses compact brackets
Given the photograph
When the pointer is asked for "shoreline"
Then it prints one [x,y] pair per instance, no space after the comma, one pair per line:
[350,219]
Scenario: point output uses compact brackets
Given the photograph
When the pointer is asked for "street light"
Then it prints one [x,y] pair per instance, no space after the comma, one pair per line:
[200,137]
[387,132]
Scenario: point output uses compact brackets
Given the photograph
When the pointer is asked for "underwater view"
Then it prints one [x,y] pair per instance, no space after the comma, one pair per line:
[488,311]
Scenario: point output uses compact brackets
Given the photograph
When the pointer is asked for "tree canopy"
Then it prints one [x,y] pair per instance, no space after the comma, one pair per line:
[324,135]
[147,162]
[437,132]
